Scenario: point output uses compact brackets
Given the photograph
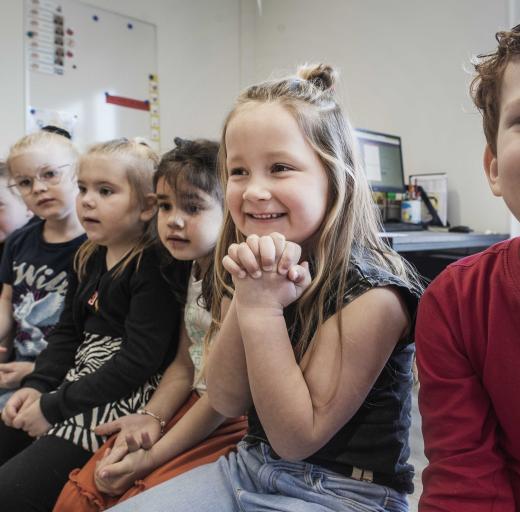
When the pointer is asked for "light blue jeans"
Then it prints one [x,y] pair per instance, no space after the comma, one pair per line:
[251,480]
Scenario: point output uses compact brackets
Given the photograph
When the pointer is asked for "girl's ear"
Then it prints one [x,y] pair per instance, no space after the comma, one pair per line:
[148,211]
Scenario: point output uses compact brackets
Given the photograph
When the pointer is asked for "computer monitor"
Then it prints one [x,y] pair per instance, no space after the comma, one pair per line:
[382,160]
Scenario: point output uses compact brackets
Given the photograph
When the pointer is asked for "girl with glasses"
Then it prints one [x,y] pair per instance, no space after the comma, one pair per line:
[37,258]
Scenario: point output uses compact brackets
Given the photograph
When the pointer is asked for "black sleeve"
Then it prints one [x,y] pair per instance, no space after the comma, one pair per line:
[150,328]
[57,358]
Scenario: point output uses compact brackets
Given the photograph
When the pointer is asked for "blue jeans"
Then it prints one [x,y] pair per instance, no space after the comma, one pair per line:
[251,480]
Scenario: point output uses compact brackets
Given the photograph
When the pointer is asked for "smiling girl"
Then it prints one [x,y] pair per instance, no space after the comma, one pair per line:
[117,333]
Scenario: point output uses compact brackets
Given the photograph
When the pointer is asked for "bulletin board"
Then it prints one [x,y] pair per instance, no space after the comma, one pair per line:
[91,71]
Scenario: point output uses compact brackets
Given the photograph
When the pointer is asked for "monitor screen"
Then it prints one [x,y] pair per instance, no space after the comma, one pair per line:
[382,160]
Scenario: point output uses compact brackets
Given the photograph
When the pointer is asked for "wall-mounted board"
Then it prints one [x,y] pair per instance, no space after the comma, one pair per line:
[91,71]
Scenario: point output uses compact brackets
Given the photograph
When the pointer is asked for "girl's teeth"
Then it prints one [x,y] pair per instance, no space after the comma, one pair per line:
[267,216]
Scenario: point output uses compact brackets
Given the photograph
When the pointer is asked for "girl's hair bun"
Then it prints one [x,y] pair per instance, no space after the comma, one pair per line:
[321,76]
[202,152]
[185,146]
[178,141]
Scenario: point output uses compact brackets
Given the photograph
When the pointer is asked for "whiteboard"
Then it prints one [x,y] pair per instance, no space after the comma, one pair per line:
[78,59]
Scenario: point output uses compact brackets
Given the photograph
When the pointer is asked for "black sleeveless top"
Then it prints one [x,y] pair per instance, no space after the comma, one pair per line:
[376,437]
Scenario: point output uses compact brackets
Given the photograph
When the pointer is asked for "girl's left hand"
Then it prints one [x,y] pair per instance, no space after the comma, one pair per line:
[265,271]
[32,420]
[116,473]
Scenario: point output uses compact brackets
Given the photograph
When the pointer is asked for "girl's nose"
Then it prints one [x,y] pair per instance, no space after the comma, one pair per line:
[87,200]
[175,221]
[39,186]
[256,190]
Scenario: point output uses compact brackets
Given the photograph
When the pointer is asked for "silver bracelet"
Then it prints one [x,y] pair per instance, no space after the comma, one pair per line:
[156,417]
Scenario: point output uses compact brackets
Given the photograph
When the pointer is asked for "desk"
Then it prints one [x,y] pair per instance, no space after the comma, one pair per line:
[431,251]
[414,241]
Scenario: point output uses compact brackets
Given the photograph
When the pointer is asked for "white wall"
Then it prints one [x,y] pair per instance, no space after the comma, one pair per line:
[402,64]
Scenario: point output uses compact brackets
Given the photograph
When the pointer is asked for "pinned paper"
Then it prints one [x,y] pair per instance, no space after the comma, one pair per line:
[153,88]
[45,32]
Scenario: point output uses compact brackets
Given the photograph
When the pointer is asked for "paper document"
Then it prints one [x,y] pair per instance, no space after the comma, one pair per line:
[372,162]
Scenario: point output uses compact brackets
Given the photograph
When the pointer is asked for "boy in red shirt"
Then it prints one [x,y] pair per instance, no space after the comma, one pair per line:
[467,335]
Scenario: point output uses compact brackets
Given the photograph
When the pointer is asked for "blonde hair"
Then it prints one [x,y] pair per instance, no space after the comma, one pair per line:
[140,162]
[41,139]
[351,222]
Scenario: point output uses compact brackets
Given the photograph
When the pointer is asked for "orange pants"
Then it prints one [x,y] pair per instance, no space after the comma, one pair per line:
[81,495]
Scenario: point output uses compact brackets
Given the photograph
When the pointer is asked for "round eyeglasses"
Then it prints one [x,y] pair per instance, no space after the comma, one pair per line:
[49,176]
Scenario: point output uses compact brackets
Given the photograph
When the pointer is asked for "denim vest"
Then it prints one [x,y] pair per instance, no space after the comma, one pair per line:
[376,437]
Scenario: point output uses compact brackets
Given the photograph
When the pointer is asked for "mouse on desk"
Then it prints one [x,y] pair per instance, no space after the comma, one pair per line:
[460,229]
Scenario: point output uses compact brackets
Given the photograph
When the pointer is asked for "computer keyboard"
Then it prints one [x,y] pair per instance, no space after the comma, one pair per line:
[391,227]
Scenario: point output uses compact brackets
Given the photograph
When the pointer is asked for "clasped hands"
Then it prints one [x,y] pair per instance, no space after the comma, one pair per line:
[130,457]
[266,272]
[23,411]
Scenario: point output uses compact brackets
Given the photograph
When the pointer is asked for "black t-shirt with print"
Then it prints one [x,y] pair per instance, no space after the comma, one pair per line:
[38,272]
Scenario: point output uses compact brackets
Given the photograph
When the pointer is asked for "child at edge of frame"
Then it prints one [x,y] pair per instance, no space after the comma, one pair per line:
[468,325]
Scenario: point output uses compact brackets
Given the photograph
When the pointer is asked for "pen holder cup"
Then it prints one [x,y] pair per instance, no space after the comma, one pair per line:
[411,211]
